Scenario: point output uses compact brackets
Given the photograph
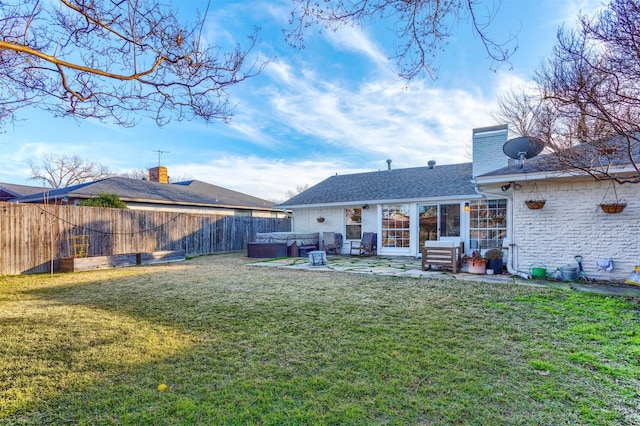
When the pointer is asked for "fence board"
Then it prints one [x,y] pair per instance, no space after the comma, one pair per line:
[34,236]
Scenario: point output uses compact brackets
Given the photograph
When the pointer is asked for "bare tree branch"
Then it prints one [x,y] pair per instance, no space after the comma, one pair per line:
[115,60]
[61,171]
[586,103]
[422,28]
[299,189]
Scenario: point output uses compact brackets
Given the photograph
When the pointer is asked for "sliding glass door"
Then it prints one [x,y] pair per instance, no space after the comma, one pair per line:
[437,221]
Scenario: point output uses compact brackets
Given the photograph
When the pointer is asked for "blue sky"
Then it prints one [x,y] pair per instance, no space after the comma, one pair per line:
[334,107]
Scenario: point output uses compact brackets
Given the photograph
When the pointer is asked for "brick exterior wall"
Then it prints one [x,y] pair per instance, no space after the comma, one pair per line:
[571,223]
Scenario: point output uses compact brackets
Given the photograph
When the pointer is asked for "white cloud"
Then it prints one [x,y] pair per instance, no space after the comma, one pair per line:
[571,10]
[355,39]
[265,178]
[378,119]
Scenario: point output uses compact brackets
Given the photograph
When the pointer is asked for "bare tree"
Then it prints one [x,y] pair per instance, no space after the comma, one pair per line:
[586,102]
[113,60]
[422,27]
[139,174]
[61,171]
[299,189]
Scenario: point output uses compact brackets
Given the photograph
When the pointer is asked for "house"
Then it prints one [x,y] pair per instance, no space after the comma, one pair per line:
[480,204]
[571,223]
[10,191]
[158,194]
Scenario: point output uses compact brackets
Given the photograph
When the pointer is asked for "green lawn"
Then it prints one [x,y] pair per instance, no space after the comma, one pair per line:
[237,344]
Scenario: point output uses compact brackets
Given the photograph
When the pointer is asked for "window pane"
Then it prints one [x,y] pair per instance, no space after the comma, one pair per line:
[395,225]
[354,232]
[450,220]
[428,216]
[488,223]
[353,216]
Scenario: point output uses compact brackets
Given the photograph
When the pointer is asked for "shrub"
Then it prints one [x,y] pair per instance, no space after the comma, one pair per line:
[493,254]
[104,200]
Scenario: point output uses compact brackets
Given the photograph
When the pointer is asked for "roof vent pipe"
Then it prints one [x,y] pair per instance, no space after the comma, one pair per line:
[389,164]
[431,164]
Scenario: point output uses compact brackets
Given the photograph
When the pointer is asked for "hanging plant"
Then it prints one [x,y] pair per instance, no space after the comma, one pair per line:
[612,207]
[535,199]
[320,219]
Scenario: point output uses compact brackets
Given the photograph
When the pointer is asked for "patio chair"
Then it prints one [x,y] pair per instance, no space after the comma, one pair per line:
[367,246]
[331,242]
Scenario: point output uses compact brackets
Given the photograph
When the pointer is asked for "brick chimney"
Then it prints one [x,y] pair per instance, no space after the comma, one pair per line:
[158,174]
[487,149]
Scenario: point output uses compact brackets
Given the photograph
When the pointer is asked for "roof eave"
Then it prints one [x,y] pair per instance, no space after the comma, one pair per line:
[545,174]
[380,201]
[152,201]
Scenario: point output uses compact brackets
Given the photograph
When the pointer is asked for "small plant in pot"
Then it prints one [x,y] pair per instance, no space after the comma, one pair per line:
[477,263]
[494,260]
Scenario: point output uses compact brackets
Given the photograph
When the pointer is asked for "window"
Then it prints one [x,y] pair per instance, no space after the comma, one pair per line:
[488,225]
[354,224]
[395,225]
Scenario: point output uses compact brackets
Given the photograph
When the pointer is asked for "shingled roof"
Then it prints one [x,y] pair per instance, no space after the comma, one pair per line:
[400,184]
[9,191]
[193,192]
[579,156]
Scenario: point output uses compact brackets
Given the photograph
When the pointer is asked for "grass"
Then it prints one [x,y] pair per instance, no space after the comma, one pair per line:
[237,344]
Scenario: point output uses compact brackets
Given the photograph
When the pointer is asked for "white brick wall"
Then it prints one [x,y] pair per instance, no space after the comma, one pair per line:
[571,223]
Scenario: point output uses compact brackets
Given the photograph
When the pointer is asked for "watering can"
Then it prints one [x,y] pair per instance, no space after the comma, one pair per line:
[538,270]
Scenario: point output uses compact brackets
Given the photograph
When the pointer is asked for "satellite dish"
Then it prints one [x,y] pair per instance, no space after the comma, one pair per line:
[523,148]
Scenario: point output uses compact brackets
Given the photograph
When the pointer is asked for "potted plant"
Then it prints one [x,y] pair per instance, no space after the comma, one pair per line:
[494,260]
[477,263]
[320,219]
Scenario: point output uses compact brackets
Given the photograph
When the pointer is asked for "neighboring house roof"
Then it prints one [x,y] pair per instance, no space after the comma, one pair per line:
[194,193]
[9,191]
[224,195]
[400,184]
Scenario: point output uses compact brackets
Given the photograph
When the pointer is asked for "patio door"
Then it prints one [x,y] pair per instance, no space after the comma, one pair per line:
[438,221]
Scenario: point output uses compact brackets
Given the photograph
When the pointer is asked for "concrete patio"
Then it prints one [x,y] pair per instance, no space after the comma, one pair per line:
[403,266]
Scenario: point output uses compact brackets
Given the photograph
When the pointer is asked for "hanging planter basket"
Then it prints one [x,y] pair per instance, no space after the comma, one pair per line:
[535,201]
[612,207]
[535,204]
[320,219]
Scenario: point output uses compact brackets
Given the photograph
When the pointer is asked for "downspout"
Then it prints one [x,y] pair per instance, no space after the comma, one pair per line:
[510,267]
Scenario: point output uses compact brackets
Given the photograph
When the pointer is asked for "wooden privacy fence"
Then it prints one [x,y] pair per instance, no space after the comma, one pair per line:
[33,236]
